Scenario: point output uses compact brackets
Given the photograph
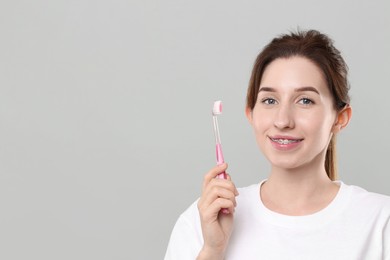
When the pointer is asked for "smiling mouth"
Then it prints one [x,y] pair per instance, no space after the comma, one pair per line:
[285,141]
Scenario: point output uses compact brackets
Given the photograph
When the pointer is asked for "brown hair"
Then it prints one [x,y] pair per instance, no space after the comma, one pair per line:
[318,48]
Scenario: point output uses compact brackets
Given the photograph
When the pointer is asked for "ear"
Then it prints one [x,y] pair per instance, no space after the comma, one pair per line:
[248,113]
[342,119]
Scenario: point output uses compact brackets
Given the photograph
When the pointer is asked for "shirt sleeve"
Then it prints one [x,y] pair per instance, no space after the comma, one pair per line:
[386,240]
[186,238]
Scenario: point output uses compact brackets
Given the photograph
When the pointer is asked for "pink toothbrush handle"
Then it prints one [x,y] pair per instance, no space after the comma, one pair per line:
[220,161]
[222,175]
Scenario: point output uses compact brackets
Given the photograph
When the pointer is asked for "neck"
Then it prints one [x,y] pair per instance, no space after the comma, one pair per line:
[299,191]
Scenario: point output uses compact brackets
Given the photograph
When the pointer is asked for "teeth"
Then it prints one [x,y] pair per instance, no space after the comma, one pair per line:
[285,141]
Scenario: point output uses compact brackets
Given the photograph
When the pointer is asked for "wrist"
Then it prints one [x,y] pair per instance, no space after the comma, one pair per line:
[206,254]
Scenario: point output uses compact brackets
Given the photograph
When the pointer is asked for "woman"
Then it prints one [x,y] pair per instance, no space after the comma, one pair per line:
[297,103]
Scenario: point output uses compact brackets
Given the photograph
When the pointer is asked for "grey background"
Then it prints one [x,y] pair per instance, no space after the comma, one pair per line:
[105,113]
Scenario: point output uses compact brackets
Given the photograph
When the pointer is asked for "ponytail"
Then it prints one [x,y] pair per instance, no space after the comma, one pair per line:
[331,160]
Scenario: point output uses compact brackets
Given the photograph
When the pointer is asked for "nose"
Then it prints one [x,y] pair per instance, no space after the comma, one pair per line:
[284,117]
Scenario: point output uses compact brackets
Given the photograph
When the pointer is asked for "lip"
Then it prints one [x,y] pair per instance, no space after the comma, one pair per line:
[289,142]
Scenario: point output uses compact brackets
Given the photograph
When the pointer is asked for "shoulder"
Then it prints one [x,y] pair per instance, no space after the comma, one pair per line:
[249,190]
[186,238]
[369,200]
[248,201]
[191,214]
[362,194]
[249,193]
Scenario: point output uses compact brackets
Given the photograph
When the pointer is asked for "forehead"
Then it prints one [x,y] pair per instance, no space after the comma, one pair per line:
[294,72]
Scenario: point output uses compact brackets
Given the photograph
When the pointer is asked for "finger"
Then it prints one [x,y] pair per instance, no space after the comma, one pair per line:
[219,184]
[213,173]
[212,212]
[229,178]
[217,192]
[214,192]
[223,183]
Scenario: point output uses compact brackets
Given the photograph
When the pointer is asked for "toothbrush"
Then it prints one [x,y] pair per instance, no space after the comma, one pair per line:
[217,110]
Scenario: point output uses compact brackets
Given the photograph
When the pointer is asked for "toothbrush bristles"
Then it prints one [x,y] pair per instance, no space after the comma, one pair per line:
[217,108]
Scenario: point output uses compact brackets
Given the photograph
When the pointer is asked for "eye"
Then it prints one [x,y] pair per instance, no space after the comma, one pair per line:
[268,101]
[306,101]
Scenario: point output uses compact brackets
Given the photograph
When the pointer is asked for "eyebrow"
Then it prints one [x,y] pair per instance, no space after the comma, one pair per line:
[301,89]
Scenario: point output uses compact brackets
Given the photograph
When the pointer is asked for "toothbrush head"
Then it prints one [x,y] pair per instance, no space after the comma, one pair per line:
[217,108]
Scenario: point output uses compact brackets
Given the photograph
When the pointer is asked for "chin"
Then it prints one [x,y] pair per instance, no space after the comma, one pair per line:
[287,163]
[294,162]
[286,166]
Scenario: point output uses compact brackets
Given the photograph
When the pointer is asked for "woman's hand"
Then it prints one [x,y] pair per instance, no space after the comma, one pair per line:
[217,194]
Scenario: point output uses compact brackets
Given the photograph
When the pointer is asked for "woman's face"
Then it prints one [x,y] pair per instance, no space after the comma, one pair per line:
[294,116]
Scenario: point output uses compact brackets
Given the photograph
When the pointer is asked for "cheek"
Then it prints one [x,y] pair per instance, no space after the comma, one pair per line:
[319,125]
[261,122]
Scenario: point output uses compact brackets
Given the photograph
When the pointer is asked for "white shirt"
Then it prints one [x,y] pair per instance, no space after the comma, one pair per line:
[355,225]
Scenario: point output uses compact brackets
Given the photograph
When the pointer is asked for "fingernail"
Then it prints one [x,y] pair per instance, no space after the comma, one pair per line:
[225,211]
